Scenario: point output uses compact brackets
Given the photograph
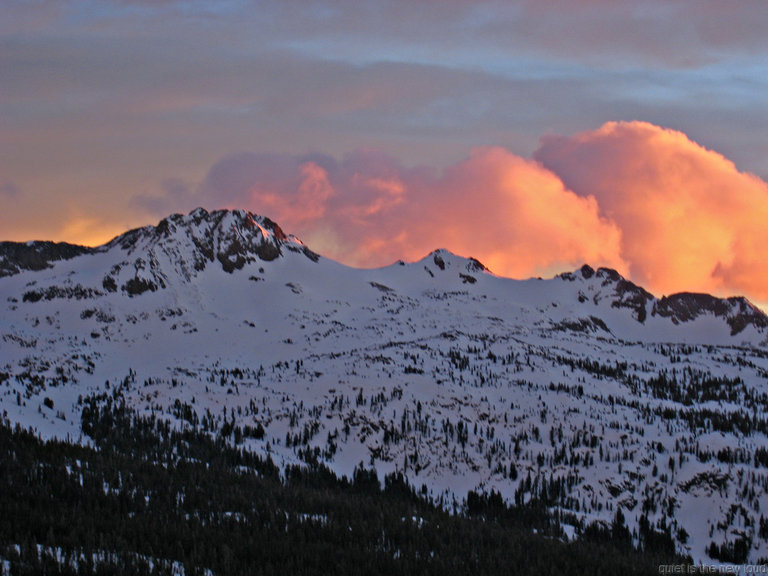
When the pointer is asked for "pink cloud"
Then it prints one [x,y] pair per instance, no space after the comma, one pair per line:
[690,220]
[370,210]
[518,217]
[648,201]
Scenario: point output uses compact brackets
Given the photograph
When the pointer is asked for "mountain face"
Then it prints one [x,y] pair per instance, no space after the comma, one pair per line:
[583,391]
[175,251]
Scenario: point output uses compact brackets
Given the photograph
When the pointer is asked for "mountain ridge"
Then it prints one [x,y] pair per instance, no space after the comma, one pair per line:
[234,238]
[583,391]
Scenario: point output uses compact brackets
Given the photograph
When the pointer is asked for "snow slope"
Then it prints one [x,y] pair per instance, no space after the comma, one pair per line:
[583,390]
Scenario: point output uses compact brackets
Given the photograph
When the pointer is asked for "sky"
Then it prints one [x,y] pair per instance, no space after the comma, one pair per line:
[533,135]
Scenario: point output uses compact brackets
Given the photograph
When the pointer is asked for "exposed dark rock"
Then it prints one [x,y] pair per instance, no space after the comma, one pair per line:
[738,312]
[381,287]
[608,275]
[109,284]
[632,296]
[476,266]
[137,286]
[314,256]
[591,324]
[279,234]
[16,257]
[77,292]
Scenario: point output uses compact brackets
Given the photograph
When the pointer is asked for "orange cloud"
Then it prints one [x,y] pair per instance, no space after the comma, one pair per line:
[689,219]
[510,212]
[519,218]
[645,200]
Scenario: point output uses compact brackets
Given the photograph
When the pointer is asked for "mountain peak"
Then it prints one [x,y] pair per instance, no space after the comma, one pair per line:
[737,311]
[587,271]
[181,246]
[231,237]
[443,259]
[184,245]
[608,283]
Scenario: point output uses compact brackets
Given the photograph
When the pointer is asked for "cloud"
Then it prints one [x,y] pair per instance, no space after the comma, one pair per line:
[85,91]
[648,201]
[669,213]
[690,220]
[617,32]
[518,217]
[369,209]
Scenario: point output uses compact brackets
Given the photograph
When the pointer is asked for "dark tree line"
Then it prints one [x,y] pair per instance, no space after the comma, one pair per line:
[148,495]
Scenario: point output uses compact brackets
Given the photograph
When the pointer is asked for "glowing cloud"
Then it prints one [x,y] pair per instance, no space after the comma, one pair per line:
[648,201]
[370,210]
[689,219]
[518,217]
[305,204]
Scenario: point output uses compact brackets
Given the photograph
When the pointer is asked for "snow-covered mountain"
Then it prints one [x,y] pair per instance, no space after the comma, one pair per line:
[584,391]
